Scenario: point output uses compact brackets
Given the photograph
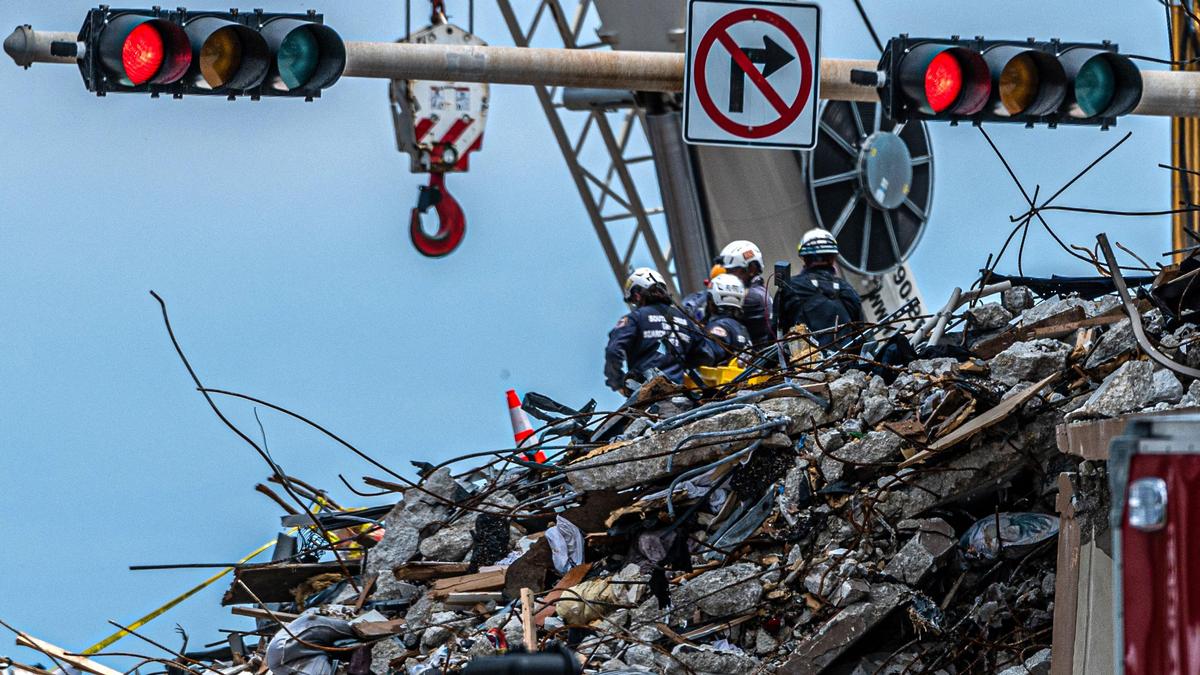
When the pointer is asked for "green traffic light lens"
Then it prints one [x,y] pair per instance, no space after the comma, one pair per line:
[298,58]
[1094,87]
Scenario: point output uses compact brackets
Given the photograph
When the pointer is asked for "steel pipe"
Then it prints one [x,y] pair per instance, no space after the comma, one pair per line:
[1165,93]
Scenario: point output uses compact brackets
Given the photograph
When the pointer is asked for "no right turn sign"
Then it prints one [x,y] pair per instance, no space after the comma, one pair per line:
[752,73]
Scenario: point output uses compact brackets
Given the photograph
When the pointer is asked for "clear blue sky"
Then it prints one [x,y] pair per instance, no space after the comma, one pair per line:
[277,233]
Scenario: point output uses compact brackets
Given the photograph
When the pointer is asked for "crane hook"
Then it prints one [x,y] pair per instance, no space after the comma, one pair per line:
[452,224]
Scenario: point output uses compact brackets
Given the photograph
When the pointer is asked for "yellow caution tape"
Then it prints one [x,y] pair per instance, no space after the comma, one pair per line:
[176,600]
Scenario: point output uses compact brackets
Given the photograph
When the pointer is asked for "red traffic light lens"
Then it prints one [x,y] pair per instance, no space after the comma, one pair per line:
[943,82]
[143,53]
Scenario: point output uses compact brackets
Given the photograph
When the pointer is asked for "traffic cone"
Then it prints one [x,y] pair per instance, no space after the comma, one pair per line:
[522,429]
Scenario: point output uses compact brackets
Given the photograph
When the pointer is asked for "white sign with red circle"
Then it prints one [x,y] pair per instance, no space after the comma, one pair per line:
[752,74]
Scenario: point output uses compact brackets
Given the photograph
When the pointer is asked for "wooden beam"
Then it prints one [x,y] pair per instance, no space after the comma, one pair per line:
[528,631]
[79,662]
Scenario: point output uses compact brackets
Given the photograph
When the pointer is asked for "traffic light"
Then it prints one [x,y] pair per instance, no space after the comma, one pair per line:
[1029,82]
[229,54]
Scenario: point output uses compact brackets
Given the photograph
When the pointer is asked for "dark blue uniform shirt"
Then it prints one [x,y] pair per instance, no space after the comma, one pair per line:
[756,313]
[727,338]
[638,342]
[819,299]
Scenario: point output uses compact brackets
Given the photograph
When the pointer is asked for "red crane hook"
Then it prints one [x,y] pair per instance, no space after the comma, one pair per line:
[452,224]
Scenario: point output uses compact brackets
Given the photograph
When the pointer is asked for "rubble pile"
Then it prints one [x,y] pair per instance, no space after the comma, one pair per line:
[844,517]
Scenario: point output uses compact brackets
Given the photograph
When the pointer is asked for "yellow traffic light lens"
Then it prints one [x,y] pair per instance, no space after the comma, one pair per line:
[1019,84]
[221,57]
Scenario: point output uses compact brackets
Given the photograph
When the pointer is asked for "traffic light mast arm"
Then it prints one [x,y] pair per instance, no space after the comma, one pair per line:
[1165,93]
[637,71]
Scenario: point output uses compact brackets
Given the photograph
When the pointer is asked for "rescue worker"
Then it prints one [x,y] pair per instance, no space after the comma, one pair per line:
[818,297]
[655,335]
[744,260]
[727,337]
[694,303]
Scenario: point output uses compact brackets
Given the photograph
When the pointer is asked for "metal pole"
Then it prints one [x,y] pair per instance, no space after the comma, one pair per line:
[689,243]
[1165,93]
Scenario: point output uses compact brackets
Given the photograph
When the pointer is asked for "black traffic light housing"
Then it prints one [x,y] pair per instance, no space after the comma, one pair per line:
[201,53]
[1024,81]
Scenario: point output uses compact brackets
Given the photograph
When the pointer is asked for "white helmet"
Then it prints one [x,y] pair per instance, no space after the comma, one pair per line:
[818,242]
[741,253]
[643,278]
[726,290]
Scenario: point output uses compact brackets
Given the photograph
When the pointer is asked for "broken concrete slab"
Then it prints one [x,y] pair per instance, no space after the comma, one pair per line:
[721,592]
[451,543]
[644,459]
[919,556]
[707,660]
[1029,361]
[874,448]
[985,467]
[1017,299]
[1165,387]
[989,316]
[1127,389]
[846,627]
[1119,341]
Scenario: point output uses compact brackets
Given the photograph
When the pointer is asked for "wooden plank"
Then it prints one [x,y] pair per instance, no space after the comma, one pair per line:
[469,583]
[424,571]
[259,613]
[374,629]
[1091,439]
[1066,581]
[80,662]
[1062,330]
[571,578]
[991,417]
[528,632]
[24,669]
[472,598]
[273,582]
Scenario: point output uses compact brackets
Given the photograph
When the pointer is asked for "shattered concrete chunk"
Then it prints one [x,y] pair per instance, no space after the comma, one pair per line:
[384,652]
[840,633]
[876,409]
[1117,342]
[875,447]
[935,367]
[399,545]
[1053,306]
[706,660]
[989,316]
[1125,390]
[1038,664]
[441,628]
[727,590]
[1017,299]
[919,556]
[644,459]
[1029,361]
[986,466]
[451,543]
[1165,387]
[849,592]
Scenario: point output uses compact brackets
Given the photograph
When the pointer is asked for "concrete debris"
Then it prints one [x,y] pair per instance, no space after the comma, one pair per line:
[1117,342]
[1165,387]
[1127,389]
[833,520]
[1029,361]
[989,316]
[1017,299]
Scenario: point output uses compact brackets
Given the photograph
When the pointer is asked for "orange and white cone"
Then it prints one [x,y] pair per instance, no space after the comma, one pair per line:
[522,429]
